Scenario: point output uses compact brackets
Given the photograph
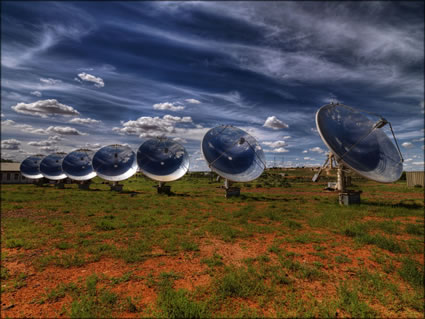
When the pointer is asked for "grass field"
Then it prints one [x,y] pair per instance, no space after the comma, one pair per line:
[285,248]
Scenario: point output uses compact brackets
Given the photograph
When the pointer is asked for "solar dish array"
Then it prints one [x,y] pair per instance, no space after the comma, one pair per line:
[229,151]
[233,154]
[160,159]
[358,143]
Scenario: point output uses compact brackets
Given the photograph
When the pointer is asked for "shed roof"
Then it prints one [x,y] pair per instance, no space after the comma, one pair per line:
[10,167]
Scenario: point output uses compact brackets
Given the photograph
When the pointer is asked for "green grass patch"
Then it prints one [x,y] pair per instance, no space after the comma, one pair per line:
[412,272]
[241,282]
[350,301]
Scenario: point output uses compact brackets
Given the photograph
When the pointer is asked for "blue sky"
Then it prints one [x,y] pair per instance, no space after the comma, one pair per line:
[78,74]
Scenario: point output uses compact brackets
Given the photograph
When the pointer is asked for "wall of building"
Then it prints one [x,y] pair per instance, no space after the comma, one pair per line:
[11,177]
[415,178]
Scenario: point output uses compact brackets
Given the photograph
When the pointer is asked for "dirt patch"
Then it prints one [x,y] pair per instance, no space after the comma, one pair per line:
[235,253]
[38,283]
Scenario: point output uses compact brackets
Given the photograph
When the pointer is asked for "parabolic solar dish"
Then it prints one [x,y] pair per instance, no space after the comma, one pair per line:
[233,154]
[115,162]
[51,166]
[162,159]
[77,165]
[352,138]
[30,167]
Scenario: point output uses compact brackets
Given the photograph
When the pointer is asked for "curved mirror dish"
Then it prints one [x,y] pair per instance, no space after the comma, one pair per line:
[162,159]
[233,154]
[351,138]
[51,166]
[115,162]
[30,167]
[77,165]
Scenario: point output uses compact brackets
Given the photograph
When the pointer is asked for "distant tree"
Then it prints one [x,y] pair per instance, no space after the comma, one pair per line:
[6,161]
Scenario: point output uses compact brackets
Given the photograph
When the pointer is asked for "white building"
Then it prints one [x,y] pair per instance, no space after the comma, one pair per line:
[10,174]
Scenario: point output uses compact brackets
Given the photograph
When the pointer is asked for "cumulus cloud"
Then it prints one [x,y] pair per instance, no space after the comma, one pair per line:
[49,148]
[92,145]
[418,163]
[193,101]
[2,115]
[10,144]
[168,106]
[8,122]
[280,150]
[332,98]
[147,126]
[305,152]
[52,140]
[86,121]
[44,108]
[63,130]
[179,140]
[23,127]
[308,159]
[50,81]
[98,82]
[407,145]
[274,123]
[275,144]
[36,93]
[317,150]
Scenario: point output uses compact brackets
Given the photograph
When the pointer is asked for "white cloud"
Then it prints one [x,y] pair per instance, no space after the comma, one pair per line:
[274,123]
[147,126]
[419,139]
[63,130]
[2,115]
[55,138]
[408,160]
[36,93]
[407,145]
[92,146]
[168,106]
[50,81]
[179,140]
[49,148]
[308,159]
[421,105]
[23,127]
[418,163]
[317,150]
[8,122]
[332,98]
[10,144]
[44,108]
[275,144]
[98,82]
[193,101]
[279,150]
[305,152]
[184,119]
[83,121]
[52,140]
